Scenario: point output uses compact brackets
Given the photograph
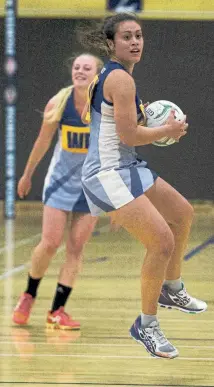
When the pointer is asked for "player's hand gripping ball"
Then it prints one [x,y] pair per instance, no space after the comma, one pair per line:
[157,113]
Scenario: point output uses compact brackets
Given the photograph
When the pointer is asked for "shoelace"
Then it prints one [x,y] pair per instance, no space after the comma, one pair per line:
[184,295]
[158,334]
[66,315]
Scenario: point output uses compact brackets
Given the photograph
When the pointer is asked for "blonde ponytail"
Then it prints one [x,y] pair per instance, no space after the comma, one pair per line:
[54,115]
[60,99]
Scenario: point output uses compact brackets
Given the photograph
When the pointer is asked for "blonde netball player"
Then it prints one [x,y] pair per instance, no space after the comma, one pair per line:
[62,193]
[114,181]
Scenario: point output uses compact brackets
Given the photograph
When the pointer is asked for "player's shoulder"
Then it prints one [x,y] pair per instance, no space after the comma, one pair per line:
[120,79]
[58,98]
[120,74]
[51,103]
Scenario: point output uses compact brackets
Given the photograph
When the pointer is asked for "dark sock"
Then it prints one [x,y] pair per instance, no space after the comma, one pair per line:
[61,296]
[32,286]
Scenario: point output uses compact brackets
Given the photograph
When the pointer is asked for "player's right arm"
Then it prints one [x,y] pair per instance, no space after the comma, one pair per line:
[120,89]
[40,147]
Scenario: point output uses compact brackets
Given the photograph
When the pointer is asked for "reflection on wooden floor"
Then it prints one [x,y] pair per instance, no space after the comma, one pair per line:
[106,301]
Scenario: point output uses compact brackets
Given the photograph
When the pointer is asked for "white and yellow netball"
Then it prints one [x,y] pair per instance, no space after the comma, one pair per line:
[156,115]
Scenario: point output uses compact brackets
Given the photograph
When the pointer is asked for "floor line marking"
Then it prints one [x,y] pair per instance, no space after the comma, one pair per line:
[80,355]
[12,271]
[73,343]
[20,243]
[133,310]
[25,241]
[105,384]
[197,249]
[124,318]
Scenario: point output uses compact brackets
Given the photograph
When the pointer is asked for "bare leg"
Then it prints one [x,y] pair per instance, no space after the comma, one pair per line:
[54,222]
[79,232]
[82,226]
[178,213]
[142,220]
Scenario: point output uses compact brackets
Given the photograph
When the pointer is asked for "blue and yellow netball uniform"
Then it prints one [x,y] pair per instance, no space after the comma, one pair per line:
[63,187]
[112,176]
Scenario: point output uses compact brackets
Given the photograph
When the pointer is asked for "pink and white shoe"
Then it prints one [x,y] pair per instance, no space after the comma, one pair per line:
[23,308]
[61,320]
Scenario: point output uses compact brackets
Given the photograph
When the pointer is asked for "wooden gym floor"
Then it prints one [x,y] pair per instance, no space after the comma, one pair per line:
[106,300]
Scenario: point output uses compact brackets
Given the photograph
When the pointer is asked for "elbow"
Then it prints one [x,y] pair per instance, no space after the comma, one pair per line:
[127,134]
[127,141]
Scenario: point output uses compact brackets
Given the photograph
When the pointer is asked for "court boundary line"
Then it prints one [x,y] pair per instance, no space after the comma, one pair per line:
[25,241]
[197,249]
[107,384]
[111,310]
[103,229]
[92,356]
[14,270]
[73,343]
[19,243]
[128,338]
[125,318]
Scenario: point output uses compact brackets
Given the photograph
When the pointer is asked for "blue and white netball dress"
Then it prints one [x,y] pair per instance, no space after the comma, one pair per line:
[112,176]
[63,186]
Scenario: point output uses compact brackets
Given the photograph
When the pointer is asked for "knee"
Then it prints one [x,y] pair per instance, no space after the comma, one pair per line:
[51,245]
[165,245]
[185,216]
[75,248]
[189,211]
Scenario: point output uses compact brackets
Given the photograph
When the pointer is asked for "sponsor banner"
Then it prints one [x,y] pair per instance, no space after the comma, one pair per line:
[125,5]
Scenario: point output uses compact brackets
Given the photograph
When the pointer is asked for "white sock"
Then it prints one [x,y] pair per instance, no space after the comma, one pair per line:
[175,285]
[147,319]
